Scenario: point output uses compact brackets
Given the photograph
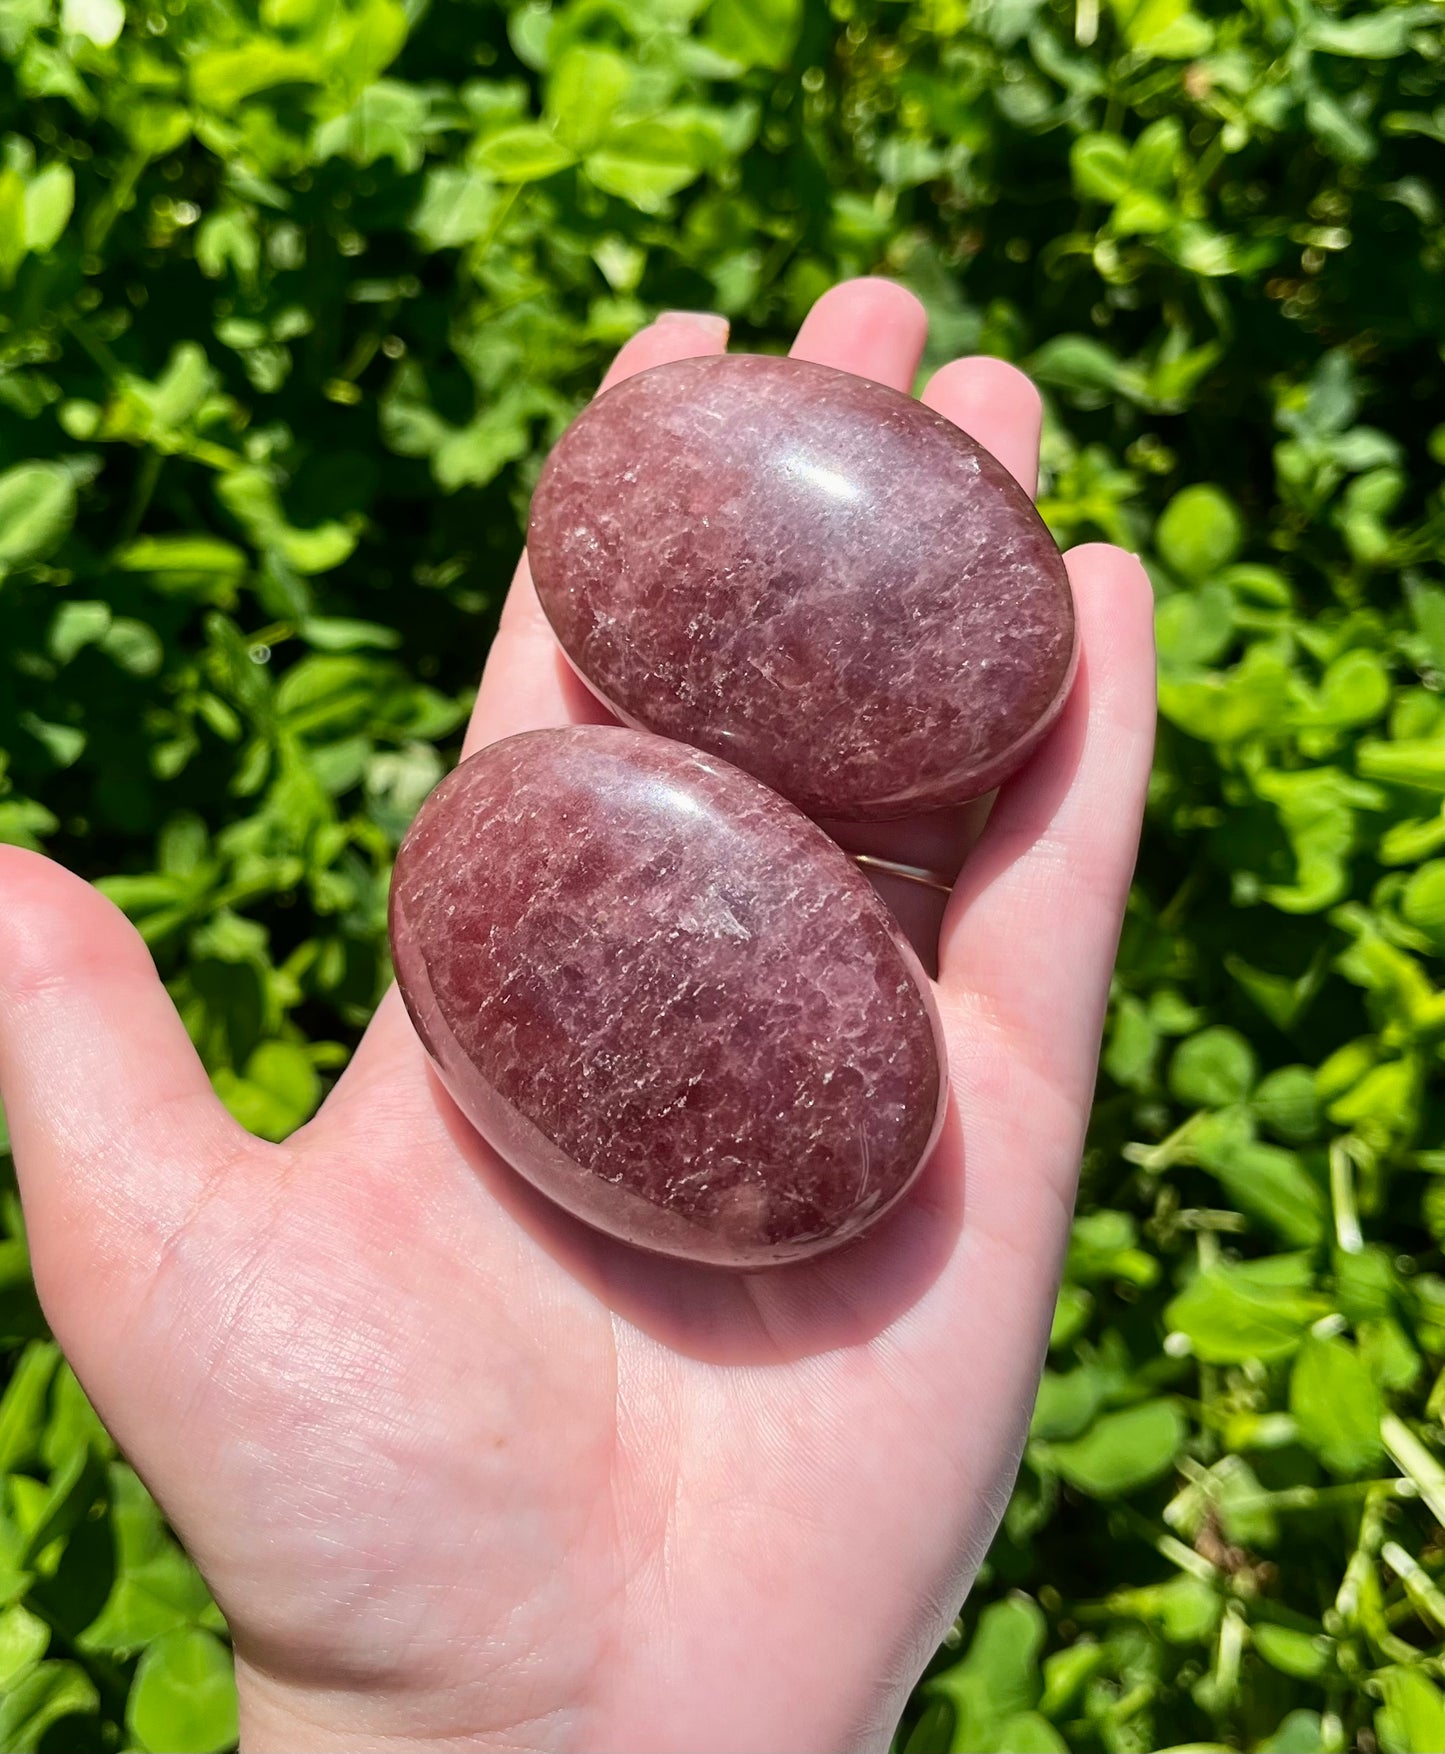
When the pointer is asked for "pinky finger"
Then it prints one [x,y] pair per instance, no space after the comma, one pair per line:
[1032,927]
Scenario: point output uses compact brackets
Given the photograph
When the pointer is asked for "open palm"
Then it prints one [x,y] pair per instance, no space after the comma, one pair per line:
[462,1473]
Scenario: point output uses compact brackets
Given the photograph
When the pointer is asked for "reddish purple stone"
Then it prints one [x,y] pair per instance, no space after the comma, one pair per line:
[807,573]
[665,997]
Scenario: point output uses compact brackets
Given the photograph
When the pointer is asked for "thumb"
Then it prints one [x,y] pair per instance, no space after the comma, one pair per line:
[117,1135]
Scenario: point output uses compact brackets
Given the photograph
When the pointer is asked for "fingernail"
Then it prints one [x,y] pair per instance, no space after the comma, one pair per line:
[708,320]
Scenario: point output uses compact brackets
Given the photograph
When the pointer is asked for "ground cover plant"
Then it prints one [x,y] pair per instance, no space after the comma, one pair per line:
[293,297]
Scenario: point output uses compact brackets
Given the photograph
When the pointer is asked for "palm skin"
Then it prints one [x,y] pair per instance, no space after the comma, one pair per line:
[461,1473]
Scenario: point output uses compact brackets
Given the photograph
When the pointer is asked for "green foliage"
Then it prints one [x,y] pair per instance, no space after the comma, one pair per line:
[90,1578]
[184,1695]
[293,299]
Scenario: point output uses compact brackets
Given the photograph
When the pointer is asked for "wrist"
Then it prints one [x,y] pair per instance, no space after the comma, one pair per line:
[290,1717]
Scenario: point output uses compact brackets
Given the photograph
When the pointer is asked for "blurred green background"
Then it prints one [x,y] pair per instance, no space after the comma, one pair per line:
[293,298]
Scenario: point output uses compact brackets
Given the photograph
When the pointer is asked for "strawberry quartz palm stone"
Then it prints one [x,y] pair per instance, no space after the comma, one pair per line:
[812,575]
[665,997]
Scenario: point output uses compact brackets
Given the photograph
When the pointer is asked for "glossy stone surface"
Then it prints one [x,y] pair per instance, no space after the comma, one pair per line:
[665,997]
[807,573]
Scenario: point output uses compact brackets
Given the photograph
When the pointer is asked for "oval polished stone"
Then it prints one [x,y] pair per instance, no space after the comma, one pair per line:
[810,574]
[665,997]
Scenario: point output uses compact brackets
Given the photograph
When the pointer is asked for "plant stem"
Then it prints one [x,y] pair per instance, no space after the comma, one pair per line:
[1342,1197]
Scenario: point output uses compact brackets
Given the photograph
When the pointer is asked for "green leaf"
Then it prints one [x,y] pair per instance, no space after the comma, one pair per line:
[22,1406]
[1199,533]
[72,1424]
[583,91]
[12,224]
[528,153]
[1103,1245]
[1133,1046]
[1287,1103]
[1194,629]
[388,120]
[1235,706]
[24,823]
[157,1589]
[1304,1655]
[1265,1181]
[1004,22]
[181,388]
[1388,1354]
[1121,1451]
[43,1697]
[1336,1406]
[197,553]
[1068,1402]
[997,1678]
[1067,1672]
[456,207]
[37,508]
[1030,1733]
[278,1091]
[755,33]
[1408,762]
[1168,29]
[1337,130]
[24,1638]
[1412,1719]
[1252,1309]
[183,1695]
[1427,606]
[337,633]
[1298,1732]
[1078,363]
[646,163]
[472,455]
[1317,813]
[221,79]
[1379,35]
[1099,164]
[932,1730]
[64,744]
[1355,690]
[134,646]
[529,30]
[251,497]
[54,1510]
[1154,157]
[1140,210]
[1212,1069]
[1071,1316]
[49,198]
[77,625]
[1185,1609]
[1423,901]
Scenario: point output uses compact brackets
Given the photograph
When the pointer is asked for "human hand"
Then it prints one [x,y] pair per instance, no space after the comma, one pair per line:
[462,1473]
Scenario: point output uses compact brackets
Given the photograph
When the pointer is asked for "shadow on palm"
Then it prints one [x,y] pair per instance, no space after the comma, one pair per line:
[779,1315]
